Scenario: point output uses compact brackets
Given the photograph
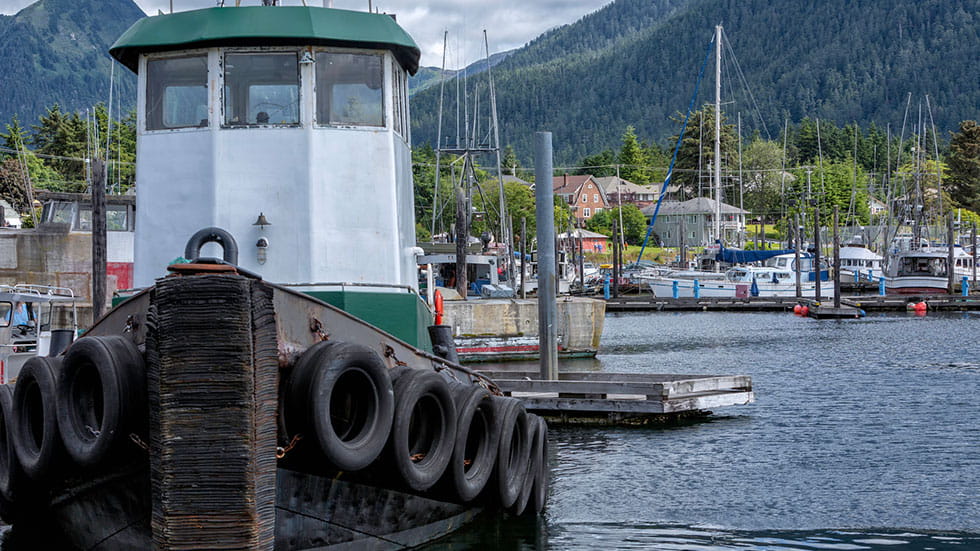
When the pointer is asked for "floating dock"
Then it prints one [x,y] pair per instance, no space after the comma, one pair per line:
[579,398]
[868,303]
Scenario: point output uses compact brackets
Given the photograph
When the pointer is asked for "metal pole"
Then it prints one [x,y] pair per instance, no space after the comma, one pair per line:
[545,217]
[836,262]
[973,242]
[816,250]
[524,266]
[718,134]
[950,266]
[796,254]
[615,285]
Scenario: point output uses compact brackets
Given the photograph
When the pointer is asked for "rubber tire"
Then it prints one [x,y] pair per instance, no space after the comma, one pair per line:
[539,496]
[424,423]
[11,475]
[512,450]
[474,410]
[337,374]
[36,437]
[527,481]
[102,392]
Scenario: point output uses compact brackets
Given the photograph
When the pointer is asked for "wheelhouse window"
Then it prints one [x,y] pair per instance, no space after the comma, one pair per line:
[261,88]
[177,93]
[349,89]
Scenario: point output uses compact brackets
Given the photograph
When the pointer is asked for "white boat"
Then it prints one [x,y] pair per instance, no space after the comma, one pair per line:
[925,271]
[860,263]
[739,282]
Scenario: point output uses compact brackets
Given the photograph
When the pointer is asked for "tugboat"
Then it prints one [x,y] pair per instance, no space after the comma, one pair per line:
[291,394]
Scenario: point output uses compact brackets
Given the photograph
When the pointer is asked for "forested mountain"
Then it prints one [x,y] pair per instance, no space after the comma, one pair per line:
[430,76]
[635,62]
[56,52]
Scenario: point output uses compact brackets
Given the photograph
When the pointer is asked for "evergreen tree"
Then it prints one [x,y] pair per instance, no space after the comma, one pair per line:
[633,161]
[599,165]
[964,166]
[14,139]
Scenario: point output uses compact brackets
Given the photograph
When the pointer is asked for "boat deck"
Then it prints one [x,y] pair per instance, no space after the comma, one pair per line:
[623,398]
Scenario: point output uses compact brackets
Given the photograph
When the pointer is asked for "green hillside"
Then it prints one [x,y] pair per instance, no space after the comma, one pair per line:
[56,52]
[635,62]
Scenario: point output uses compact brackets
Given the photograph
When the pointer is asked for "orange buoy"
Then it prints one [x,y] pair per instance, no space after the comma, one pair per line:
[797,309]
[804,310]
[437,299]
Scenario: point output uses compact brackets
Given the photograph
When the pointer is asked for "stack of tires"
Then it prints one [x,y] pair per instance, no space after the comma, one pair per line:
[74,409]
[438,435]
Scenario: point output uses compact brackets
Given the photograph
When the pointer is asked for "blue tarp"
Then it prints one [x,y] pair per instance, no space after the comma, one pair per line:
[737,256]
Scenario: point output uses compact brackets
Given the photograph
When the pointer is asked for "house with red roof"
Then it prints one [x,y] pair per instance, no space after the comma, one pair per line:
[582,193]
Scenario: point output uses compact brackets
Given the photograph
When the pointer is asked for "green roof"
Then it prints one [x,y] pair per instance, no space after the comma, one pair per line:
[265,26]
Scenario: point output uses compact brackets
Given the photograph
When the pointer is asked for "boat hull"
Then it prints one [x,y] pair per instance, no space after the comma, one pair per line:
[223,458]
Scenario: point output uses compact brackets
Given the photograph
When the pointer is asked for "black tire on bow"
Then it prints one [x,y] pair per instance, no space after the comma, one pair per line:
[512,451]
[102,392]
[35,433]
[475,447]
[530,473]
[424,427]
[11,474]
[341,392]
[539,496]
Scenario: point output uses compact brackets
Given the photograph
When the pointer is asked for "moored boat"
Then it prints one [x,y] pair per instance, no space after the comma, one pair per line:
[287,395]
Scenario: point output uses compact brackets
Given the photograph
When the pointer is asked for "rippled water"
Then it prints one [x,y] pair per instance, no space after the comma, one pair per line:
[864,435]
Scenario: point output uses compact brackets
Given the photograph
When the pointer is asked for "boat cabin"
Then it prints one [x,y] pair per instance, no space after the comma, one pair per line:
[35,320]
[287,127]
[296,113]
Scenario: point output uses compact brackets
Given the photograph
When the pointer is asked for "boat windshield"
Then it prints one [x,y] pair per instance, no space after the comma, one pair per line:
[922,266]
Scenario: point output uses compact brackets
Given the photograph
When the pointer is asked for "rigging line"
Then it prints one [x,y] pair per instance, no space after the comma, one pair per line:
[935,143]
[745,84]
[680,140]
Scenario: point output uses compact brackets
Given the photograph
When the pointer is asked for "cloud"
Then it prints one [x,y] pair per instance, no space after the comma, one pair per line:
[509,23]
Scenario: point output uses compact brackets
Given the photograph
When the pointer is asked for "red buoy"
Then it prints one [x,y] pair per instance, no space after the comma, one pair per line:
[797,309]
[804,310]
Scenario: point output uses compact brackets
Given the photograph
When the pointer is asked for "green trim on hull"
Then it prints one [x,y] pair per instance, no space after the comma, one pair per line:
[406,316]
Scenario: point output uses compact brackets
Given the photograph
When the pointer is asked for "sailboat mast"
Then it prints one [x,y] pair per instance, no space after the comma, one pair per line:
[718,132]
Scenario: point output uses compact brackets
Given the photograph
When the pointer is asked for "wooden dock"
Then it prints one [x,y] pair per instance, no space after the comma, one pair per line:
[868,303]
[623,398]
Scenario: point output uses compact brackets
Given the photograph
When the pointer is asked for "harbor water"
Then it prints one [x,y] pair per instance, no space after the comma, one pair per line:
[864,435]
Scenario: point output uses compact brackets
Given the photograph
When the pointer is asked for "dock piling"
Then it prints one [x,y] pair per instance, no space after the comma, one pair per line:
[545,217]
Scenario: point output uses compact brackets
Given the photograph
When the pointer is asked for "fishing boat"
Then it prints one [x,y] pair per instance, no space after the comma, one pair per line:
[925,271]
[275,384]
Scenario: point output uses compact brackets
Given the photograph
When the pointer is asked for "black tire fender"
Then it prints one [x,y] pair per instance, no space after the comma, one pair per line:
[475,443]
[11,475]
[539,496]
[342,393]
[35,434]
[102,396]
[424,427]
[512,451]
[530,473]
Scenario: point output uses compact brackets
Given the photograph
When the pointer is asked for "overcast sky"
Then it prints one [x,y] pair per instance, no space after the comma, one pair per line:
[509,23]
